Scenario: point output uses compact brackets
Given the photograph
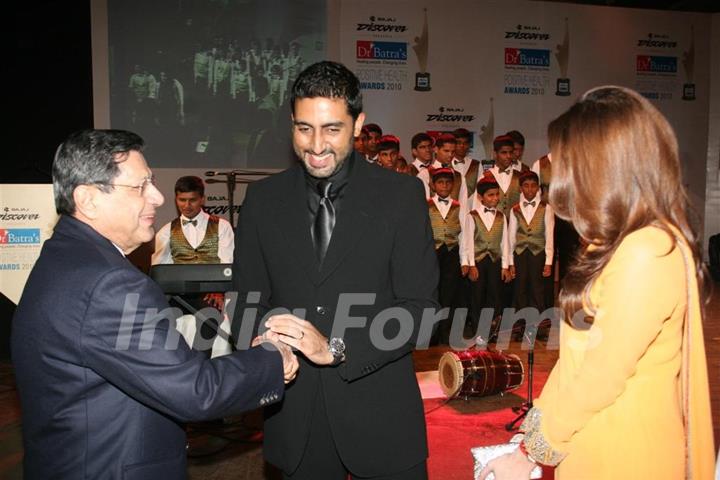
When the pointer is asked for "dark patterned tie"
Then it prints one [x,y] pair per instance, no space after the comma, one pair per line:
[525,204]
[324,220]
[191,222]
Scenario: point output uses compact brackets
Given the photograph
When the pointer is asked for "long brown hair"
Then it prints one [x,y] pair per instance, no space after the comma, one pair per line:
[615,170]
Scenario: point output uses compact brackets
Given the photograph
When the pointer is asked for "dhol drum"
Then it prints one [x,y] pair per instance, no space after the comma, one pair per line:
[476,373]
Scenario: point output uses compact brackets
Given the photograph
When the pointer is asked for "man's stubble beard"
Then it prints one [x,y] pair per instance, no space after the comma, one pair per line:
[338,165]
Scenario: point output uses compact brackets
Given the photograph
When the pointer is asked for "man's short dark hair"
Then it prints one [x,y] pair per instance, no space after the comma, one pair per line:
[89,157]
[372,128]
[330,80]
[527,176]
[517,137]
[189,184]
[418,138]
[462,133]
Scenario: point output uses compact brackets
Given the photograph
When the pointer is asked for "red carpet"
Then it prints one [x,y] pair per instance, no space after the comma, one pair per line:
[457,425]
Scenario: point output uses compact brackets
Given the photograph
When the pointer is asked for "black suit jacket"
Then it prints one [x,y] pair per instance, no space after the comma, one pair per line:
[380,256]
[103,385]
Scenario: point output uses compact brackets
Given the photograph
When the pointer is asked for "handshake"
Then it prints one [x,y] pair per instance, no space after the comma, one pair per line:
[287,332]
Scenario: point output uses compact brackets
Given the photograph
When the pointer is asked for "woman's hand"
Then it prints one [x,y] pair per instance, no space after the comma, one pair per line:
[511,466]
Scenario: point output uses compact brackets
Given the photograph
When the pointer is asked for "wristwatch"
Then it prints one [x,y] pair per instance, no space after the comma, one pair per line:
[336,346]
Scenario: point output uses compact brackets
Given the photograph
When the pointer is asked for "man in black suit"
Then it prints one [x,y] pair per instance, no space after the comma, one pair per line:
[347,247]
[104,379]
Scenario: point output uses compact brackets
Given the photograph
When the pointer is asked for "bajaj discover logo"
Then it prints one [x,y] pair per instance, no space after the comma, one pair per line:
[449,115]
[380,27]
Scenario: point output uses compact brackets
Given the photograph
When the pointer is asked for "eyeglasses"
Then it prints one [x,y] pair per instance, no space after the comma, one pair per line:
[141,189]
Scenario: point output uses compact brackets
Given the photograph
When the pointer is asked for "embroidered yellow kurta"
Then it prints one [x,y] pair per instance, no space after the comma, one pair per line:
[613,403]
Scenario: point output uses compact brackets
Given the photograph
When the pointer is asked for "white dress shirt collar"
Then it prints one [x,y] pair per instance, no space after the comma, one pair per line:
[444,207]
[488,218]
[503,179]
[529,210]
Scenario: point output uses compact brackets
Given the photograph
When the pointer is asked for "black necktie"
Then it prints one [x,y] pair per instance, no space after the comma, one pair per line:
[191,222]
[444,200]
[422,165]
[491,210]
[529,203]
[324,220]
[507,172]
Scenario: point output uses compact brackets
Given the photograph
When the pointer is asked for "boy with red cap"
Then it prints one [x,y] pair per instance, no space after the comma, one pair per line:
[486,251]
[445,219]
[388,152]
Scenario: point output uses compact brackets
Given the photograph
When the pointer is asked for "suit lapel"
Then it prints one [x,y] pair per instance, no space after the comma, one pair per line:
[354,218]
[294,221]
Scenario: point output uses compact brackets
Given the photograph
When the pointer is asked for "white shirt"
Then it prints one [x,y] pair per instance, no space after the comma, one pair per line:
[488,219]
[424,174]
[195,234]
[517,165]
[119,249]
[528,212]
[444,207]
[461,166]
[503,179]
[462,169]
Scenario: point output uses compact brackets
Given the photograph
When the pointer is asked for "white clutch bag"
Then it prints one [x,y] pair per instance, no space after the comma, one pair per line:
[483,455]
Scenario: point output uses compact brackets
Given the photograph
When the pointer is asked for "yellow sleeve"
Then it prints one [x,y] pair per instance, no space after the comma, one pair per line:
[636,293]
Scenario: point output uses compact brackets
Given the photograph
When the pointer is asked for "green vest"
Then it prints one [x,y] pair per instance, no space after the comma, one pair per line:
[488,242]
[512,196]
[545,177]
[457,183]
[206,252]
[471,177]
[445,230]
[530,235]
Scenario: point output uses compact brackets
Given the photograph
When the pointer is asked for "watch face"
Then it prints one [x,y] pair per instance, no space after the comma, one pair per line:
[337,346]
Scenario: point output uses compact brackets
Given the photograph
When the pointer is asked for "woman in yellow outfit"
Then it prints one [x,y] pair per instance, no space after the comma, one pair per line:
[628,397]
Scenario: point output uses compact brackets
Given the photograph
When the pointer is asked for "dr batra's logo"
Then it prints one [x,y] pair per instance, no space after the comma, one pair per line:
[367,50]
[527,57]
[656,64]
[19,236]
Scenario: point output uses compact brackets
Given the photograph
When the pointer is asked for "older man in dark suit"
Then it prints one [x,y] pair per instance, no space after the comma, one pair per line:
[347,247]
[104,380]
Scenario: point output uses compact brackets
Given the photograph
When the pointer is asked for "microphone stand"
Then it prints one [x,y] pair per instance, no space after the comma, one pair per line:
[231,180]
[523,409]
